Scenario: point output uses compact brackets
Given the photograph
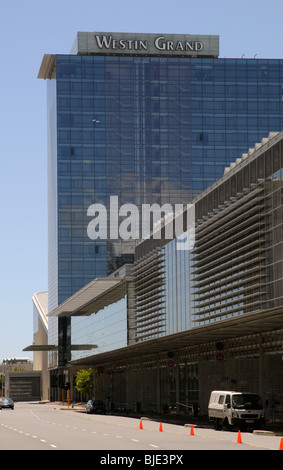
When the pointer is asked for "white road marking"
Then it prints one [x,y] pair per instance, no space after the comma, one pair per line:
[27,434]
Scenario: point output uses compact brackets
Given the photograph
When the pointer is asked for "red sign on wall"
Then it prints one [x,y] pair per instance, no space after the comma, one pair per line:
[220,356]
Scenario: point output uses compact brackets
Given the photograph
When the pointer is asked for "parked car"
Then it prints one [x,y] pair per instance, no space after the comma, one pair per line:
[95,406]
[6,403]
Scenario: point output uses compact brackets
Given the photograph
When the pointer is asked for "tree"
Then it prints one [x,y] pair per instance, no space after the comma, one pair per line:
[2,384]
[84,381]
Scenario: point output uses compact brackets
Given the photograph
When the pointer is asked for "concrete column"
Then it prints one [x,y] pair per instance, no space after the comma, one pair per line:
[177,378]
[158,390]
[262,391]
[131,314]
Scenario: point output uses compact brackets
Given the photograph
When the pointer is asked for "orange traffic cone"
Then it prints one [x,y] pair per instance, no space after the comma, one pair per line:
[281,444]
[192,431]
[141,426]
[239,440]
[160,428]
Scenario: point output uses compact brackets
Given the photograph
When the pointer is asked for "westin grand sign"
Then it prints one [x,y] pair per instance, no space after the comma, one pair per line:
[146,44]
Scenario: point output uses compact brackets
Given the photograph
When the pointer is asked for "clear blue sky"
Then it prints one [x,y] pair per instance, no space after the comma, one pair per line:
[28,30]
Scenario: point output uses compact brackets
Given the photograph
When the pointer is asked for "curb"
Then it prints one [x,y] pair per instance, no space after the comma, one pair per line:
[263,432]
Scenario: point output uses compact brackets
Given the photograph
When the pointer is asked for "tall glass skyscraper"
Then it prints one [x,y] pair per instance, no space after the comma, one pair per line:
[147,118]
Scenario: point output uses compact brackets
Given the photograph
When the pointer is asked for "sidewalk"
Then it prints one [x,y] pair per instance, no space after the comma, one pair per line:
[182,419]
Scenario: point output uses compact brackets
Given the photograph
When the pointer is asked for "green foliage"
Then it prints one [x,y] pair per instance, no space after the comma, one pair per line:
[85,381]
[2,381]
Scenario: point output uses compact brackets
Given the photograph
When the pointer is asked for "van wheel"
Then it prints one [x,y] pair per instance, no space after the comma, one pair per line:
[227,426]
[217,425]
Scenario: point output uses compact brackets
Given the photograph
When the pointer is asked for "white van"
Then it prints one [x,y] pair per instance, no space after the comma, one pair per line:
[239,409]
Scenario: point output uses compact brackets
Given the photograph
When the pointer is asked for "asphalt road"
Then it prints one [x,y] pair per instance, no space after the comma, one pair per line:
[34,426]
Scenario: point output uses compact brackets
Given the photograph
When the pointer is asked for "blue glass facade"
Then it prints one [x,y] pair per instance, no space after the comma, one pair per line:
[164,299]
[148,129]
[107,330]
[235,103]
[177,278]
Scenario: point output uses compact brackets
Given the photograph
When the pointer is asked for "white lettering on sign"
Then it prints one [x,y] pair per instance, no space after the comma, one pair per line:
[165,45]
[160,43]
[109,43]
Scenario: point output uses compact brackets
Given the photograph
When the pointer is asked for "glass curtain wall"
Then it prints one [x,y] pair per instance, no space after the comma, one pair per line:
[149,130]
[107,330]
[235,103]
[177,283]
[121,131]
[145,129]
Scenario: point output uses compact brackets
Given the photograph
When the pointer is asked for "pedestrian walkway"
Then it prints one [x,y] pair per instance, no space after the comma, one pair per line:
[270,428]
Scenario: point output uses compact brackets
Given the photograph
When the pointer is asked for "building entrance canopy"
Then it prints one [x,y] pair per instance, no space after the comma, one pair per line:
[92,298]
[242,325]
